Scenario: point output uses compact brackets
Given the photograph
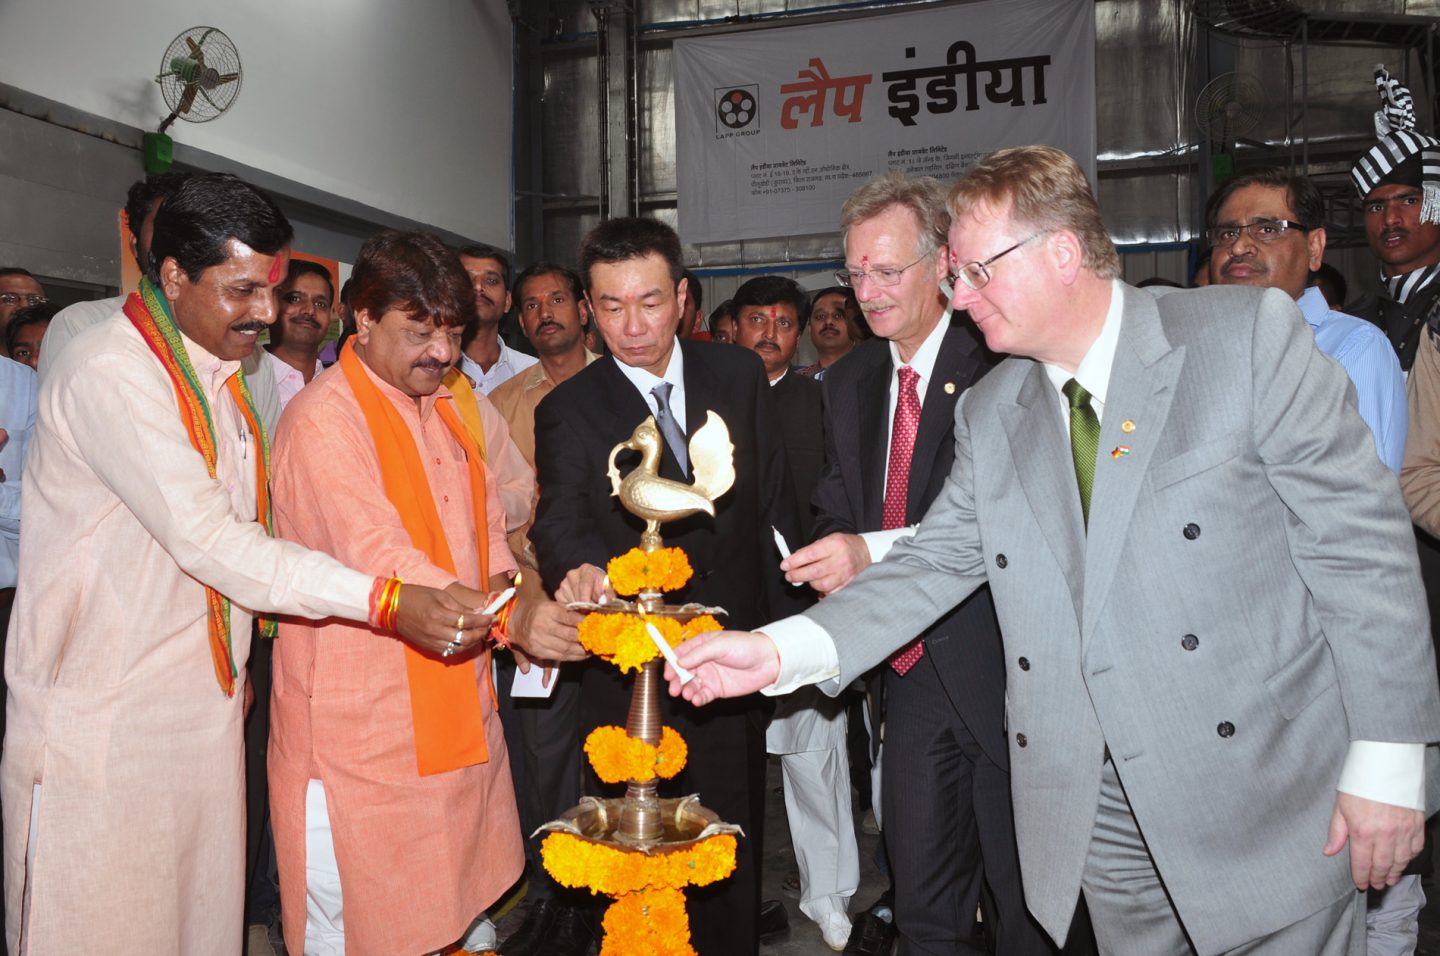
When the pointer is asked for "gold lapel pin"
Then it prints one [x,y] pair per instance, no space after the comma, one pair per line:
[949,388]
[1127,426]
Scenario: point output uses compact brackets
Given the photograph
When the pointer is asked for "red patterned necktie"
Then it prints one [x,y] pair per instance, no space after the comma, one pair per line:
[897,484]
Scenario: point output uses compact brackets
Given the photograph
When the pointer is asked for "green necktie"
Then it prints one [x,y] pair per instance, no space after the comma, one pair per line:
[1084,441]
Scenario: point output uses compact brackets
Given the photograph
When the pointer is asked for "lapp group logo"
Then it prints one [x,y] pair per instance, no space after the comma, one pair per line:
[735,108]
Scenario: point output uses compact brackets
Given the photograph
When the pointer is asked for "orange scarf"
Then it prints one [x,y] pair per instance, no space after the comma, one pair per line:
[444,699]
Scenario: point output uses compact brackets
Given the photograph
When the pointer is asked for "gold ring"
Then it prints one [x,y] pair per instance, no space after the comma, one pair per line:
[460,622]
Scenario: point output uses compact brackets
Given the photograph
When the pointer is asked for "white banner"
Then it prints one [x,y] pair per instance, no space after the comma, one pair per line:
[775,128]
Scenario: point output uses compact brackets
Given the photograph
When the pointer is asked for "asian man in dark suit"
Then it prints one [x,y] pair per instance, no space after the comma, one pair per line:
[634,283]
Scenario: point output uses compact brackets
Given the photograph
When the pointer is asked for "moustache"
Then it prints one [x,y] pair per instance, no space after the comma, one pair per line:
[825,328]
[768,346]
[548,324]
[1245,261]
[252,326]
[1389,234]
[430,365]
[309,320]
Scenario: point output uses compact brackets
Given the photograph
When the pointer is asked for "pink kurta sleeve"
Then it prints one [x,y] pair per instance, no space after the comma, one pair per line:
[513,474]
[502,561]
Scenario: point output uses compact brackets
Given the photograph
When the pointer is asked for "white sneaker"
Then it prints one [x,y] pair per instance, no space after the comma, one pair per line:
[480,937]
[835,927]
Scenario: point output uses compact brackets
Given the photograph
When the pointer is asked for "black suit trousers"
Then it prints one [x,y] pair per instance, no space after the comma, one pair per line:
[955,802]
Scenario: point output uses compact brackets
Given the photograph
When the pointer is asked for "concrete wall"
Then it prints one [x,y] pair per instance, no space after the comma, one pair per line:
[403,108]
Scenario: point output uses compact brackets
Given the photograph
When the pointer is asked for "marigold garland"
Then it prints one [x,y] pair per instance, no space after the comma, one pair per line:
[664,569]
[576,862]
[617,756]
[622,640]
[652,922]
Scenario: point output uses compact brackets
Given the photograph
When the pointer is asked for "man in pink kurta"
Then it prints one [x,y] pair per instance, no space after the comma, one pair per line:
[419,856]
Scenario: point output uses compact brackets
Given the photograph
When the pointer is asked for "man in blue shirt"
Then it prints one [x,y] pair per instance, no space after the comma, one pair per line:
[1265,228]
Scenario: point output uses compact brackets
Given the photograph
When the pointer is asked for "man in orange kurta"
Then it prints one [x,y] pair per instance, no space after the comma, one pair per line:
[388,765]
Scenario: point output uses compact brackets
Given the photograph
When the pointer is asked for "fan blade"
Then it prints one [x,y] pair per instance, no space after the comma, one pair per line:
[195,50]
[227,78]
[188,99]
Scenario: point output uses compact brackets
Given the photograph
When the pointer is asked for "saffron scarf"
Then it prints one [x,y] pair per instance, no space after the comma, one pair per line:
[467,405]
[444,697]
[148,311]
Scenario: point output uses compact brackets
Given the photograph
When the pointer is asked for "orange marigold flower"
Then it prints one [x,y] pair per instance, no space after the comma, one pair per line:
[616,756]
[576,862]
[665,569]
[699,625]
[651,922]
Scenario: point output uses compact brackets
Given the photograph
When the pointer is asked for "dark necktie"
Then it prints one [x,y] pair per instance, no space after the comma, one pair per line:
[674,437]
[1084,441]
[897,484]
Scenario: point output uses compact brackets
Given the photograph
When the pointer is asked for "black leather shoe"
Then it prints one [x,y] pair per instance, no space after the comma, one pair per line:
[573,933]
[774,921]
[871,936]
[550,929]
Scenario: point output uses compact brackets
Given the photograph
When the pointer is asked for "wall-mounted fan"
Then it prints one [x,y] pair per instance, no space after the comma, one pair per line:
[200,78]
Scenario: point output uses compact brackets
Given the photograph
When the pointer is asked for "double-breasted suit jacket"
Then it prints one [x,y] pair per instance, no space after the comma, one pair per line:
[1245,604]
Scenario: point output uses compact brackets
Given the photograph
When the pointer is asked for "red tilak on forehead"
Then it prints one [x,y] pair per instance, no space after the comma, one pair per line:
[278,268]
[772,311]
[864,262]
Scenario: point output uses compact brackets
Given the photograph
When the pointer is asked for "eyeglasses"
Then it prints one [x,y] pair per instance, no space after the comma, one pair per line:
[881,277]
[15,298]
[1263,230]
[975,274]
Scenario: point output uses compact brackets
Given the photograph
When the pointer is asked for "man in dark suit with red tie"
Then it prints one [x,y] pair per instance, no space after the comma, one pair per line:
[889,409]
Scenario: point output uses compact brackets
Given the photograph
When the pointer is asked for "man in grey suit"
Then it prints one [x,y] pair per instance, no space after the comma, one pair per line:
[1231,660]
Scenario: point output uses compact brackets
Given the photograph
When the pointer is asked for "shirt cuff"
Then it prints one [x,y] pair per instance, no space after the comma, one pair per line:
[1385,772]
[880,542]
[807,654]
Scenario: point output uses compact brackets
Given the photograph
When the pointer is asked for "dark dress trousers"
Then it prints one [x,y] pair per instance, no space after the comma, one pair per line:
[736,566]
[946,780]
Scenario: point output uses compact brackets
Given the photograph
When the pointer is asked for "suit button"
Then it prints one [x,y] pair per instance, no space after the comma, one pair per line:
[1192,531]
[1226,729]
[1189,642]
[1001,561]
[1024,663]
[1020,739]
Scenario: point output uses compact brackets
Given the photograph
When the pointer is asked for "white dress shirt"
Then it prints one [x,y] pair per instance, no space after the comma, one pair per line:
[644,381]
[923,364]
[510,364]
[288,379]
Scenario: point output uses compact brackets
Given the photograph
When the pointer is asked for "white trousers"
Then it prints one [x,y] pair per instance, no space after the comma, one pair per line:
[324,905]
[808,733]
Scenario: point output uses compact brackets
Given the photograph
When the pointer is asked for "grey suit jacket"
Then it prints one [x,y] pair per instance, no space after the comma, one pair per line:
[1246,603]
